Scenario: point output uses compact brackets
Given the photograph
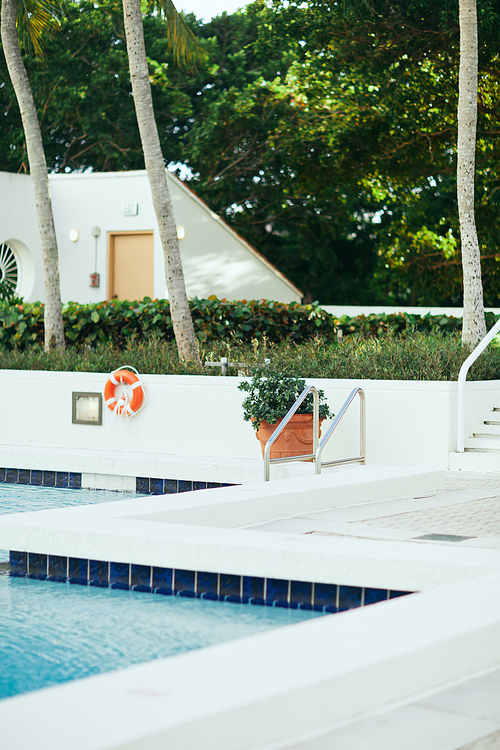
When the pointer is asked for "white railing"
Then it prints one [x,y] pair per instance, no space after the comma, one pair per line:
[462,377]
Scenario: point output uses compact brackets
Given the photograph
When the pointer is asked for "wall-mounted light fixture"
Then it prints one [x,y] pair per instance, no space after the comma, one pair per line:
[87,408]
[94,277]
[181,233]
[73,235]
[130,209]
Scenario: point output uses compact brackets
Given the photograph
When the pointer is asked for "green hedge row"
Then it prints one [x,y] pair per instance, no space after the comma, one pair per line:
[380,324]
[122,321]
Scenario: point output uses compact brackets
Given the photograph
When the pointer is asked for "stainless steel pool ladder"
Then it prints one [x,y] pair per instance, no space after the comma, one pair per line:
[318,449]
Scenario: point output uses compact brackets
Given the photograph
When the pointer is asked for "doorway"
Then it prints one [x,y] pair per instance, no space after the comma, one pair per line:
[131,265]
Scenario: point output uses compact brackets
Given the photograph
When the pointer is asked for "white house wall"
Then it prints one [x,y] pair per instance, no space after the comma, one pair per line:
[19,228]
[216,260]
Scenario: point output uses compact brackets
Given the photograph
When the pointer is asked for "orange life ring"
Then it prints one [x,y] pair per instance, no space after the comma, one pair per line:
[123,406]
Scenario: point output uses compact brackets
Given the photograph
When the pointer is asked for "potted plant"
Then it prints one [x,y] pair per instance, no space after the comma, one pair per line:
[271,394]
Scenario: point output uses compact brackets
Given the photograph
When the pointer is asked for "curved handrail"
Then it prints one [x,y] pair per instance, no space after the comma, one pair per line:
[361,459]
[318,449]
[267,451]
[462,377]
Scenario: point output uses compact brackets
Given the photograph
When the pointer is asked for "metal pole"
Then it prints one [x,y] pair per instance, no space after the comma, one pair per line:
[362,425]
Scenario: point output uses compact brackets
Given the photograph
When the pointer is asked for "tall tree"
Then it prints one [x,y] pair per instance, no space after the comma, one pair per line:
[474,324]
[38,17]
[141,89]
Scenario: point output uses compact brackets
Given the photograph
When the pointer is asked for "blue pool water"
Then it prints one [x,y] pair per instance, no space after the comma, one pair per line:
[18,498]
[54,632]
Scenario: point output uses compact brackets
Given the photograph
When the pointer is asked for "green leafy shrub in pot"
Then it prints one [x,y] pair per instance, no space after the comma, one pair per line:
[272,393]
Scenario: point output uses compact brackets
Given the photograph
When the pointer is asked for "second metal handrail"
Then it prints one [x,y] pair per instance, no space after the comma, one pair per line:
[361,459]
[318,449]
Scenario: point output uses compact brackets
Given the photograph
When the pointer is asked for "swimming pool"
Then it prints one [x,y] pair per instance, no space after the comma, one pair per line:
[53,633]
[18,498]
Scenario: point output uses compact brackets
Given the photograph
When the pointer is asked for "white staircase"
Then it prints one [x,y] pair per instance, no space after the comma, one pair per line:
[486,436]
[482,448]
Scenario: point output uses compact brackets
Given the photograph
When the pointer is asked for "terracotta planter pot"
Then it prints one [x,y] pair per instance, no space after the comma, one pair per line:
[295,440]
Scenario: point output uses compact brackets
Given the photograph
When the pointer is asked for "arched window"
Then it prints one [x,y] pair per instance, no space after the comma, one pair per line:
[9,271]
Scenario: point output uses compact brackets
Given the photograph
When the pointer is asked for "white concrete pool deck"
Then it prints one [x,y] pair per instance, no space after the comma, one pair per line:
[414,673]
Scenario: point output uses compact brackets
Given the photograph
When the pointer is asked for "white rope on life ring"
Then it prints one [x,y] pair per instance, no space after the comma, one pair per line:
[132,399]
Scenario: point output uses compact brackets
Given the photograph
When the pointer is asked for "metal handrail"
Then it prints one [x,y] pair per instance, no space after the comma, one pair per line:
[267,451]
[318,449]
[361,459]
[462,377]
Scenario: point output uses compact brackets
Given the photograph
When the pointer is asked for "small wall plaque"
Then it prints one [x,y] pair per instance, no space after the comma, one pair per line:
[130,209]
[87,408]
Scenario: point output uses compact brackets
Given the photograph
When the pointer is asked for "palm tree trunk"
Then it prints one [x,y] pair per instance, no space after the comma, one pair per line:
[187,345]
[474,325]
[54,328]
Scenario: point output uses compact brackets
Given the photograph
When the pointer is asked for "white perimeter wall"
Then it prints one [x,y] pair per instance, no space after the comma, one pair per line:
[353,310]
[215,259]
[408,423]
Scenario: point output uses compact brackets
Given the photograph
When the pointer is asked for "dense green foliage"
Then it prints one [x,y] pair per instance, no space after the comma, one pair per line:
[123,321]
[120,322]
[411,356]
[326,138]
[271,393]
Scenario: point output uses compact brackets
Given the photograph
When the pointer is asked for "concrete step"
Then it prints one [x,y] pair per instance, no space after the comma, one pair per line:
[483,442]
[482,450]
[490,427]
[475,460]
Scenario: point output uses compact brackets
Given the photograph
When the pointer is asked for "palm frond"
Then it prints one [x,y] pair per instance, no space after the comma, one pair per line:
[186,48]
[34,19]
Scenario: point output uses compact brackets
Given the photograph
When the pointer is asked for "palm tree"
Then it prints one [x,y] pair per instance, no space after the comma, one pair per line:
[37,16]
[474,324]
[141,89]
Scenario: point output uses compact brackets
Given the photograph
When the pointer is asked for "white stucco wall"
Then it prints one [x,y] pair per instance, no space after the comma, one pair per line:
[216,260]
[353,310]
[19,228]
[408,423]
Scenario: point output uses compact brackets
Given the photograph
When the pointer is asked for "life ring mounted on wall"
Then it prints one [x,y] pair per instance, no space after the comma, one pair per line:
[132,398]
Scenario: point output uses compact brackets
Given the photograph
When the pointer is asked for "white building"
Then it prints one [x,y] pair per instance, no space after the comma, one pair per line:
[109,244]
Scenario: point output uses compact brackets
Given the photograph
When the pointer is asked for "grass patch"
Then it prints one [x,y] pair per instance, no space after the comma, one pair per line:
[408,356]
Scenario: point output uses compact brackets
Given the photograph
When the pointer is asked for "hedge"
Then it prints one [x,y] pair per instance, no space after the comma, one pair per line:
[122,321]
[407,356]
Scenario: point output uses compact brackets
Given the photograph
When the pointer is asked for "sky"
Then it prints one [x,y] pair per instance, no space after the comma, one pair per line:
[206,9]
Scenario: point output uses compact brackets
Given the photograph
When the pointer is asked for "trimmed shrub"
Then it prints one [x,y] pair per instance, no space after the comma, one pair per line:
[408,356]
[122,321]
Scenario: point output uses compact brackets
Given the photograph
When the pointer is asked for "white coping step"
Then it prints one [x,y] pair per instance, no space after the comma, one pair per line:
[186,531]
[135,464]
[482,461]
[263,691]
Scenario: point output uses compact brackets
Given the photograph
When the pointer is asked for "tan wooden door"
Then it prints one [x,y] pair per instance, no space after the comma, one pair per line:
[131,265]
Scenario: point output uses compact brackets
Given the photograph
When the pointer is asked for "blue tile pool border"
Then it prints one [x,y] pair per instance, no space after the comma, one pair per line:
[241,589]
[73,480]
